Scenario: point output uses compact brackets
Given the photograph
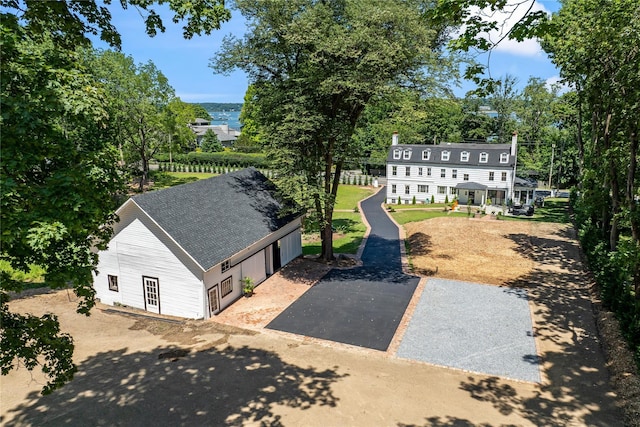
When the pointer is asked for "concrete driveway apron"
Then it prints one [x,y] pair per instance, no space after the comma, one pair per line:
[360,306]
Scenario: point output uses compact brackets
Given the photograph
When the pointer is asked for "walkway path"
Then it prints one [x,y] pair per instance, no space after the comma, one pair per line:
[360,306]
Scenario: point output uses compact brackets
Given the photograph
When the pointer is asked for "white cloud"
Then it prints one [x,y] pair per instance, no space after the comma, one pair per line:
[506,19]
[556,81]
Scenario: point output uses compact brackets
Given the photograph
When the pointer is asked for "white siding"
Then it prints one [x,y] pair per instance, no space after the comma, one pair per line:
[255,267]
[477,174]
[135,252]
[215,277]
[290,247]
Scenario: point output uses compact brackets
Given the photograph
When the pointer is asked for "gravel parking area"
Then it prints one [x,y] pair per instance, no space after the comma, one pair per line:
[474,327]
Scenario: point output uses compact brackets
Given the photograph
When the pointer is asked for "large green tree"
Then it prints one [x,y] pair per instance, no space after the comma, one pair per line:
[176,117]
[596,45]
[59,179]
[58,168]
[315,65]
[138,97]
[597,48]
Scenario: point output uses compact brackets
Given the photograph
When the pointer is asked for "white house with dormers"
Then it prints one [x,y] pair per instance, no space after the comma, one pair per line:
[475,173]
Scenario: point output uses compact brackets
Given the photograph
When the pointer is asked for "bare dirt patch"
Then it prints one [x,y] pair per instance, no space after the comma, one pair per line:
[134,370]
[481,251]
[575,336]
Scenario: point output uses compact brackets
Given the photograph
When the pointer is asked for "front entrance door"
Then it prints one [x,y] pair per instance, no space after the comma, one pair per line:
[214,301]
[151,294]
[472,197]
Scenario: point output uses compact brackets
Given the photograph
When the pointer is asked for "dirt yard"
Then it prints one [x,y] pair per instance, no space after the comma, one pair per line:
[136,370]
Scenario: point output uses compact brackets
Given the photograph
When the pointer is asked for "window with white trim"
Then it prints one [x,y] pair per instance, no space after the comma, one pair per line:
[453,190]
[225,265]
[406,189]
[491,175]
[454,174]
[226,286]
[443,173]
[504,176]
[407,154]
[504,157]
[465,177]
[419,171]
[464,156]
[484,157]
[393,189]
[397,154]
[423,188]
[113,283]
[426,154]
[442,190]
[394,170]
[428,171]
[445,156]
[407,171]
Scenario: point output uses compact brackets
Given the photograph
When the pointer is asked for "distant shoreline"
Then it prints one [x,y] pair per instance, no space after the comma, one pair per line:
[220,106]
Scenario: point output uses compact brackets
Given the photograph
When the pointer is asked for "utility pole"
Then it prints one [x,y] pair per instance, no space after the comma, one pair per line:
[553,148]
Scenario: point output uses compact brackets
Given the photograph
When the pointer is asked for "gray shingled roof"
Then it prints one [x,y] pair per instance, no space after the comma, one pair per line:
[493,150]
[471,186]
[213,219]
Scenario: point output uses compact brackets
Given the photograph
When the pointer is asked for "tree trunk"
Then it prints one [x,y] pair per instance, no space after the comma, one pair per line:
[145,170]
[631,180]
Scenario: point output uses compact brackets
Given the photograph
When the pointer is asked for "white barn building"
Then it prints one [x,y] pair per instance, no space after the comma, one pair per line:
[474,173]
[183,251]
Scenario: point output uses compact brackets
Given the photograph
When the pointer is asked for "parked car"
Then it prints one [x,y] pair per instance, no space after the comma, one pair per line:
[542,193]
[522,210]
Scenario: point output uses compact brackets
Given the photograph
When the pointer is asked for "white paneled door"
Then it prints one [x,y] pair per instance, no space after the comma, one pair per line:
[214,301]
[151,294]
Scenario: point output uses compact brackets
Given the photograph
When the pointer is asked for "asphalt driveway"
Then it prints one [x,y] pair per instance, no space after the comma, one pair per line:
[360,306]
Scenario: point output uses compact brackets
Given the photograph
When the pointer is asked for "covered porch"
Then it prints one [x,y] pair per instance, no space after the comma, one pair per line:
[474,193]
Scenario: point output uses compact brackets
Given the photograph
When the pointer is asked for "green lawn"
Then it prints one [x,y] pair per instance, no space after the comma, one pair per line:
[170,179]
[349,196]
[417,206]
[34,278]
[352,229]
[554,210]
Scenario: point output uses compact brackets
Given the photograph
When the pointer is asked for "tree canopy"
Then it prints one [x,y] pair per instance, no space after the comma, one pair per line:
[59,166]
[314,67]
[59,180]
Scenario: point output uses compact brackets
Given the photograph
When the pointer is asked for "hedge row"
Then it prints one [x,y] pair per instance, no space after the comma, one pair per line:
[243,160]
[215,168]
[613,271]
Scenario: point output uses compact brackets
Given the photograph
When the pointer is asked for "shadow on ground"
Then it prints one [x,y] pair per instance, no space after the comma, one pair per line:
[171,386]
[576,390]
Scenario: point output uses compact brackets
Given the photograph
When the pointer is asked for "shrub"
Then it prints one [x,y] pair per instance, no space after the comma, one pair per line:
[433,199]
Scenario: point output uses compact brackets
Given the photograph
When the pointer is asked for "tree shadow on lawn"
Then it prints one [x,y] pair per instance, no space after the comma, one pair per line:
[170,386]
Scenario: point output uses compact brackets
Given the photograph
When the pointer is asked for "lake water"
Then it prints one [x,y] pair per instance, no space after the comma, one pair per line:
[232,118]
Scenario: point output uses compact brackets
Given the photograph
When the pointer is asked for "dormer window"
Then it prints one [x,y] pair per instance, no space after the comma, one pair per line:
[484,157]
[407,154]
[426,154]
[464,156]
[504,157]
[445,156]
[397,154]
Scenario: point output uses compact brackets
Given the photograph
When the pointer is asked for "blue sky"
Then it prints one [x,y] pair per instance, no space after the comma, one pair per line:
[186,62]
